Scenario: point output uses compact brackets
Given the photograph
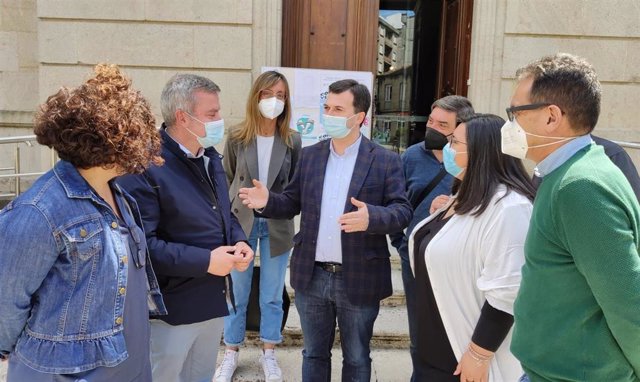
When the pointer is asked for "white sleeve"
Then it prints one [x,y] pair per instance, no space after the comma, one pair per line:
[502,251]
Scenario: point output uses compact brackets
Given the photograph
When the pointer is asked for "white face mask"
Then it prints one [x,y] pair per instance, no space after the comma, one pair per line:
[271,108]
[514,140]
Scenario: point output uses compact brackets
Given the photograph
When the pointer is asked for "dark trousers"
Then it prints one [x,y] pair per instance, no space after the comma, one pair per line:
[409,284]
[322,304]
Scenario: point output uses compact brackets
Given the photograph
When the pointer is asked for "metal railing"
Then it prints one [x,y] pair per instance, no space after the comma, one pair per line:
[628,145]
[29,141]
[15,171]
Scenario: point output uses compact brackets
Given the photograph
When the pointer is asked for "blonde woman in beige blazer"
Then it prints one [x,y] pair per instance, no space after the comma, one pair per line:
[264,148]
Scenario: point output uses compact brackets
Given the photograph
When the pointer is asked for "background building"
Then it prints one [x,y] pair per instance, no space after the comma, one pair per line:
[51,43]
[393,85]
[431,48]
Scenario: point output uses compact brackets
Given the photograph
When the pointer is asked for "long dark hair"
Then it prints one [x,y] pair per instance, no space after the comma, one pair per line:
[488,167]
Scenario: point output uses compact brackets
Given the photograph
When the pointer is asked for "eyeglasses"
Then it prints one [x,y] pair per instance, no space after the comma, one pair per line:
[454,141]
[268,94]
[531,106]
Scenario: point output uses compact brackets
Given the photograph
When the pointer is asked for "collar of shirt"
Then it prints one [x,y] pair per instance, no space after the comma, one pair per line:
[188,153]
[561,155]
[349,151]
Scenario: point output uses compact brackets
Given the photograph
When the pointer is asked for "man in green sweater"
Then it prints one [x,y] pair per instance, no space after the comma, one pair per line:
[577,315]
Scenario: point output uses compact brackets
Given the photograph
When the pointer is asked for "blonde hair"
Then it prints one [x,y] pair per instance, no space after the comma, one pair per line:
[248,129]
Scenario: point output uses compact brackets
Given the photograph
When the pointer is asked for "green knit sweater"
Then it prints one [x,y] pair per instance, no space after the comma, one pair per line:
[577,315]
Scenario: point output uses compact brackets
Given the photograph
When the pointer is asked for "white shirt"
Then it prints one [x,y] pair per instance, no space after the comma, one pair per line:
[337,178]
[190,155]
[265,147]
[478,258]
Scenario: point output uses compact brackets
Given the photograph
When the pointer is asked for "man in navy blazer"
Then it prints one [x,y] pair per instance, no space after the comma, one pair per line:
[193,238]
[351,193]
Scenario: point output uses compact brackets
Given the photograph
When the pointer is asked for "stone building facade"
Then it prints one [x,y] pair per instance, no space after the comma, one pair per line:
[45,44]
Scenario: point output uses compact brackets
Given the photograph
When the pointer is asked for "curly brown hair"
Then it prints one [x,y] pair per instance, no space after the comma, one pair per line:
[102,123]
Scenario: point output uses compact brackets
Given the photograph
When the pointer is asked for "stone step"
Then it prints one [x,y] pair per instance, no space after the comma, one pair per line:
[396,299]
[395,258]
[387,364]
[390,342]
[390,331]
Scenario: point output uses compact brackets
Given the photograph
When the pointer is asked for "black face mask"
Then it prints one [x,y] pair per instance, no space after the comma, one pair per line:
[434,140]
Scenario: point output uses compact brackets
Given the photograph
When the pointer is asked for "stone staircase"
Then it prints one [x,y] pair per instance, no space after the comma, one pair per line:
[390,344]
[391,330]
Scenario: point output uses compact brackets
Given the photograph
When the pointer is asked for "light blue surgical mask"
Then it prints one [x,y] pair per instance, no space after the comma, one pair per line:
[336,127]
[449,159]
[213,132]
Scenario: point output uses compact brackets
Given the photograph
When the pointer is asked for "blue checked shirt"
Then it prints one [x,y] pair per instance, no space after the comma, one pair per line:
[337,179]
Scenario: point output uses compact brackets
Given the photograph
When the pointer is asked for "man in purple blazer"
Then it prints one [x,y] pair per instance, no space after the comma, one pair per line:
[351,193]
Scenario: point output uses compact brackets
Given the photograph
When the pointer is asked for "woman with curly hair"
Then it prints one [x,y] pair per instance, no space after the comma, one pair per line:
[77,284]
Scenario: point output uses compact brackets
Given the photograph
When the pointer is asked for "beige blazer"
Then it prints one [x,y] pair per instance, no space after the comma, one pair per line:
[241,165]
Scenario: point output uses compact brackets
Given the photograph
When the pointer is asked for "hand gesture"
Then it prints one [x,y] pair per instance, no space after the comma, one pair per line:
[255,197]
[356,221]
[244,256]
[222,260]
[439,202]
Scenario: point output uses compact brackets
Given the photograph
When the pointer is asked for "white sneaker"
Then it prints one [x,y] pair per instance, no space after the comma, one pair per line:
[272,372]
[224,372]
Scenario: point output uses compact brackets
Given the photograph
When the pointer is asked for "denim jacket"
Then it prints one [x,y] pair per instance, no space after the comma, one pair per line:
[63,274]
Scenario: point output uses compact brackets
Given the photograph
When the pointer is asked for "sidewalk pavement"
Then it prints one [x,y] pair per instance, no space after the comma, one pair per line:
[388,365]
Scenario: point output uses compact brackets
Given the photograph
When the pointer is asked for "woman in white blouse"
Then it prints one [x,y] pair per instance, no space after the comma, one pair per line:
[467,256]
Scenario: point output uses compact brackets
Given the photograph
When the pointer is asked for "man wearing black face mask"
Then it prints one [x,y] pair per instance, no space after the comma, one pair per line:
[426,178]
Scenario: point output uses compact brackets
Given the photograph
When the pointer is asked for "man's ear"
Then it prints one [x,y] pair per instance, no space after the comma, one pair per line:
[554,119]
[360,117]
[181,117]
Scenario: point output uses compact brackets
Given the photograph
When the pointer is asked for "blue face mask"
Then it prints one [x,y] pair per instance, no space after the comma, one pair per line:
[213,132]
[336,127]
[449,159]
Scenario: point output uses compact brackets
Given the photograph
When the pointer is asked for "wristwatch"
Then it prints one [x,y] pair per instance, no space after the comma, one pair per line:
[4,355]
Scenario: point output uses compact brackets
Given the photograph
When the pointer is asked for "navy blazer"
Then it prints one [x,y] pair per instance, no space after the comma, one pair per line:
[184,220]
[377,180]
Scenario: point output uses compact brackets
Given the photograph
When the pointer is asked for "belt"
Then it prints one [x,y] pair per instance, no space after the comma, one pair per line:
[330,267]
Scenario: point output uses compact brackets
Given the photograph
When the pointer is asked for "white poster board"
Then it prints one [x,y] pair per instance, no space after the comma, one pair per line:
[309,88]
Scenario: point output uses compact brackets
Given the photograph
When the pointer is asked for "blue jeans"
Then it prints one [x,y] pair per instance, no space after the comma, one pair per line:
[272,272]
[319,305]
